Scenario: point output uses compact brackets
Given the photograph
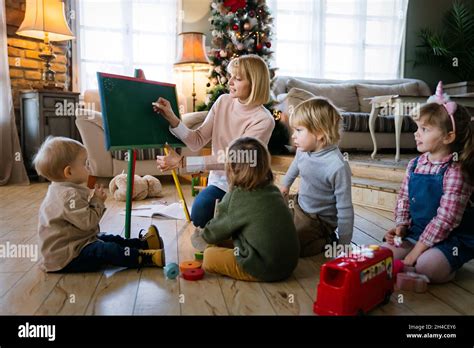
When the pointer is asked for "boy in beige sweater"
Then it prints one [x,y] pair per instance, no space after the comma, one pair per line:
[70,213]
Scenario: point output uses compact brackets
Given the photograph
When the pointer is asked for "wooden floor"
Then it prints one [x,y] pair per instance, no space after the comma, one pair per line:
[25,289]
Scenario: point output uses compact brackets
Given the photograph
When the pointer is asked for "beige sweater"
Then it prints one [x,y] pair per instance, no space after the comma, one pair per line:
[227,120]
[68,221]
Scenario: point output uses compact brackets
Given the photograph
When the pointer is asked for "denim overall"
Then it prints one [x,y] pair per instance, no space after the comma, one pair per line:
[424,192]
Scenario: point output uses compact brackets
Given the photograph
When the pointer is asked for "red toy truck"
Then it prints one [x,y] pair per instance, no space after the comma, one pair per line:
[353,285]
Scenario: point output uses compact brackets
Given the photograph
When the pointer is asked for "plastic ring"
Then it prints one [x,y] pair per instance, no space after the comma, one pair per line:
[193,274]
[171,270]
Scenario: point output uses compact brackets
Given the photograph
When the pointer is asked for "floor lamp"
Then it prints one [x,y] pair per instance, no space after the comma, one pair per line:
[192,56]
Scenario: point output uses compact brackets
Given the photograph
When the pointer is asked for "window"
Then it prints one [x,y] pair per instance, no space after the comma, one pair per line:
[117,36]
[339,39]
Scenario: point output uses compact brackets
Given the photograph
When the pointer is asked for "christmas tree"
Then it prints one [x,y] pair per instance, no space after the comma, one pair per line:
[238,27]
[241,27]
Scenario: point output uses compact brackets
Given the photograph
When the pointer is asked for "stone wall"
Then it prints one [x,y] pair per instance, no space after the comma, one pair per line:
[25,65]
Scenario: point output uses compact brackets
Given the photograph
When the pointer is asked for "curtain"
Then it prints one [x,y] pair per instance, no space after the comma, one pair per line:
[12,169]
[339,39]
[121,35]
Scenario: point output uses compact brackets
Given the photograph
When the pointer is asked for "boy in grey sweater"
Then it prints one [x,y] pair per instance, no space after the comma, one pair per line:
[324,200]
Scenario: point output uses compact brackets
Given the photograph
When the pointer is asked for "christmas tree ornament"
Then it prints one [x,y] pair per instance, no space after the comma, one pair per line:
[235,4]
[247,26]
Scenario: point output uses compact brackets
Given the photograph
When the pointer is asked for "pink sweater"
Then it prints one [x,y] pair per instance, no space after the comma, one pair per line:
[227,120]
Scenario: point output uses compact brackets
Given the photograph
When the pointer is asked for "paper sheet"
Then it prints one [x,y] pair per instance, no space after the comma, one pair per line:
[172,211]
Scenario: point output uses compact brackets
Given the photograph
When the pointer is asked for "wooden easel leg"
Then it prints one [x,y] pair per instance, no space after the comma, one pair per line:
[180,191]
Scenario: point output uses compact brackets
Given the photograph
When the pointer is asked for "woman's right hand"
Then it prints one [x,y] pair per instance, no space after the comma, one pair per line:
[163,107]
[284,191]
[399,231]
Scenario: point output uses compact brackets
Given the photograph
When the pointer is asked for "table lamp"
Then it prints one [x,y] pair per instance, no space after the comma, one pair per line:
[192,56]
[45,20]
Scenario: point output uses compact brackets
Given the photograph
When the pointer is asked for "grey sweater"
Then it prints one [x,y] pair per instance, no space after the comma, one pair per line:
[325,187]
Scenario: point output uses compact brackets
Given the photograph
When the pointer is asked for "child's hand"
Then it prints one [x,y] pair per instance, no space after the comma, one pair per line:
[100,193]
[284,191]
[399,231]
[410,259]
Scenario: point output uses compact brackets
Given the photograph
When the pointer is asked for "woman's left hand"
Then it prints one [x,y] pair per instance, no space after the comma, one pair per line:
[170,161]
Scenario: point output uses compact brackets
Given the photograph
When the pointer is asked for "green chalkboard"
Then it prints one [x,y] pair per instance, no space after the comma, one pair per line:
[129,119]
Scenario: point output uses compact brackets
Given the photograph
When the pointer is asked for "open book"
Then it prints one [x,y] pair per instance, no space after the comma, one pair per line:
[172,211]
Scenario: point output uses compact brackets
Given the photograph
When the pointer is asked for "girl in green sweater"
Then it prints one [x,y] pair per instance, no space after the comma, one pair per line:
[253,236]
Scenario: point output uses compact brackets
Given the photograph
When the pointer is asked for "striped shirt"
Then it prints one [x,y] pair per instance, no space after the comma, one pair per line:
[456,194]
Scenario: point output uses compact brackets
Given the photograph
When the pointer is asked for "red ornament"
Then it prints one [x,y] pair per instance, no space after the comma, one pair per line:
[235,4]
[235,27]
[268,44]
[259,46]
[252,13]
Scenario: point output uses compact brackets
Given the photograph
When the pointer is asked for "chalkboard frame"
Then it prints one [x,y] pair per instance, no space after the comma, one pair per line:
[135,97]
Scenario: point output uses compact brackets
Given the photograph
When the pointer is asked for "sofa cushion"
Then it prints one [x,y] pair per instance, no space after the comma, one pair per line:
[355,121]
[359,122]
[342,95]
[369,91]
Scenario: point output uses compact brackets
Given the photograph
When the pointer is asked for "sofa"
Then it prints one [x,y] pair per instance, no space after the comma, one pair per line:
[352,97]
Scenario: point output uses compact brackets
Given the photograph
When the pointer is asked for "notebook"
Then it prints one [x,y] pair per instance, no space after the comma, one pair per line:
[172,211]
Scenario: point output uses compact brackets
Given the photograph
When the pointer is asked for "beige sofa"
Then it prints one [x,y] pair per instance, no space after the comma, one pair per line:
[351,97]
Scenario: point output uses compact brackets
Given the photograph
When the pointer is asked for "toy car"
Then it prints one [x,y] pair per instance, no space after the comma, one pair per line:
[355,284]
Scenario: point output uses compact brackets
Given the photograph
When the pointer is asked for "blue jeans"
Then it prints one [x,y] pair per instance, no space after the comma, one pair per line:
[204,204]
[108,250]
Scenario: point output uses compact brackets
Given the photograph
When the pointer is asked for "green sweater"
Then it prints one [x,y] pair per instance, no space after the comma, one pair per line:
[261,227]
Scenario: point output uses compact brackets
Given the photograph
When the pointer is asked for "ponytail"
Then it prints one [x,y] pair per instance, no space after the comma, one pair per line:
[464,143]
[467,155]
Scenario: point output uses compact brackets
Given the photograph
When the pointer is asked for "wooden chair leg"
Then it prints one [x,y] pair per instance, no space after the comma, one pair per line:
[91,180]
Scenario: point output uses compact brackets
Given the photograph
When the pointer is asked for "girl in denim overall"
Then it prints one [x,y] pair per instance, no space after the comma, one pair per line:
[435,211]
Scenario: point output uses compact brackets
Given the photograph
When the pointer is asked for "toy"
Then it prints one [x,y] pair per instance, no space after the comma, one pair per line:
[148,186]
[185,265]
[171,270]
[355,284]
[193,274]
[398,267]
[412,281]
[198,183]
[397,240]
[199,256]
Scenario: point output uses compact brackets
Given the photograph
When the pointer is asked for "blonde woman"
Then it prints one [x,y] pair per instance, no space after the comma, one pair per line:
[234,115]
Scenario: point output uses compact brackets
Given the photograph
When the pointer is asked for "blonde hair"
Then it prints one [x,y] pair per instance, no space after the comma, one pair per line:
[436,115]
[242,173]
[318,115]
[55,154]
[255,70]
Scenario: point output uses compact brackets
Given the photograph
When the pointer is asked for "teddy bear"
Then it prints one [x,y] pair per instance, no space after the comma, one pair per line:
[143,187]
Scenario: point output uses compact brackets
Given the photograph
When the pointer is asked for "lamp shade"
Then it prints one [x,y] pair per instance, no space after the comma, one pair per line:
[191,50]
[45,16]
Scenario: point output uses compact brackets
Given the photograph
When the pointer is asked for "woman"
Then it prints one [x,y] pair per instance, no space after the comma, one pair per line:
[234,115]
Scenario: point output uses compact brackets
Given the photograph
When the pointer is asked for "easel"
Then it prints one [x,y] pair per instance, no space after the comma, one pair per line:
[132,158]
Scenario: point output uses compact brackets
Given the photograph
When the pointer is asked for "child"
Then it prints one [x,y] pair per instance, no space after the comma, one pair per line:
[237,114]
[324,199]
[70,213]
[433,215]
[253,213]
